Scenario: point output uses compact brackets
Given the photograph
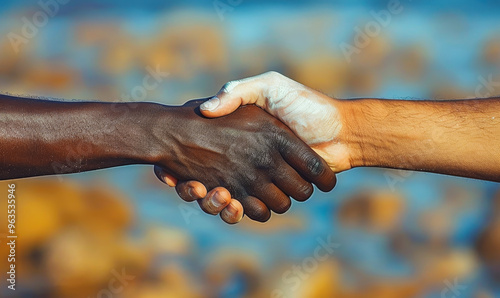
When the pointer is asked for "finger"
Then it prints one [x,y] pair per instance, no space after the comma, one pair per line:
[191,191]
[292,184]
[274,198]
[165,177]
[234,94]
[233,213]
[255,209]
[215,201]
[307,163]
[170,180]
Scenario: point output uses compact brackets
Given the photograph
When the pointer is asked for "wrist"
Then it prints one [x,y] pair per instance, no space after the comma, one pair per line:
[361,118]
[339,151]
[141,122]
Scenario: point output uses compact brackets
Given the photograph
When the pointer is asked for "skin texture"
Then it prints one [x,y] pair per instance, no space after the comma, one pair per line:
[458,137]
[260,157]
[311,115]
[248,155]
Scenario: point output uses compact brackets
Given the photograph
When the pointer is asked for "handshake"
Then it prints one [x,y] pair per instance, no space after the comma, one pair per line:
[254,145]
[241,160]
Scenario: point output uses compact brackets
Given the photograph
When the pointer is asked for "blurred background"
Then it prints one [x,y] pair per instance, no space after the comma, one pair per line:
[379,233]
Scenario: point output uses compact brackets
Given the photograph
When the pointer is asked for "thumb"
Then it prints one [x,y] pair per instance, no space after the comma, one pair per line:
[233,95]
[217,107]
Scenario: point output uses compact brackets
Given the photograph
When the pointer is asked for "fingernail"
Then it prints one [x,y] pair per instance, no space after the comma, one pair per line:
[211,104]
[217,200]
[231,210]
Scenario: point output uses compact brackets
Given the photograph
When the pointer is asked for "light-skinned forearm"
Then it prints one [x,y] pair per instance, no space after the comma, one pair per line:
[459,138]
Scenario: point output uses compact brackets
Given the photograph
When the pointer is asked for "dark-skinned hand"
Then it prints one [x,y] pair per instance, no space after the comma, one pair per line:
[249,153]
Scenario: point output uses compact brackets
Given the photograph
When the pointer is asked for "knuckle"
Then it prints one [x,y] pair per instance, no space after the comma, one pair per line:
[225,87]
[276,135]
[315,166]
[262,160]
[274,78]
[250,177]
[229,86]
[273,74]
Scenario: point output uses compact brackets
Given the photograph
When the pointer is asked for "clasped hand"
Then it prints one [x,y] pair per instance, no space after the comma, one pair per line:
[241,160]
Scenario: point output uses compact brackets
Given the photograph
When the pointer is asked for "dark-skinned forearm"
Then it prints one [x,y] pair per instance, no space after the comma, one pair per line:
[39,137]
[451,137]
